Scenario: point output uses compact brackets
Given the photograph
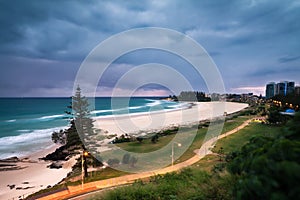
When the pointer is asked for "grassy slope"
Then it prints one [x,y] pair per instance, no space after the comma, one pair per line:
[148,146]
[236,141]
[201,183]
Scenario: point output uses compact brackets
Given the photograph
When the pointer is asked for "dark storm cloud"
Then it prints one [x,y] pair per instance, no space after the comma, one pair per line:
[246,39]
[288,59]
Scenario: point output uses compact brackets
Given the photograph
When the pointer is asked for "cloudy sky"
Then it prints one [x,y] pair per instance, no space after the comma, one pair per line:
[43,43]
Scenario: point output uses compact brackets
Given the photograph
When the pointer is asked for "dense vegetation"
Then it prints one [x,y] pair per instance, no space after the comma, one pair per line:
[192,96]
[268,168]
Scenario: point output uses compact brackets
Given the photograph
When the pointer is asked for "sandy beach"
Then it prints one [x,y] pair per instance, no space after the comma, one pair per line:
[33,175]
[152,121]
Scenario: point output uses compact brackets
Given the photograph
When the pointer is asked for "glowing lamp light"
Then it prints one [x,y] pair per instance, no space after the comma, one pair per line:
[85,153]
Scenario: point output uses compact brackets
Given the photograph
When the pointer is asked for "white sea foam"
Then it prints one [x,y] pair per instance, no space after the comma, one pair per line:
[50,117]
[169,106]
[136,107]
[100,111]
[117,110]
[11,120]
[154,103]
[28,137]
[24,131]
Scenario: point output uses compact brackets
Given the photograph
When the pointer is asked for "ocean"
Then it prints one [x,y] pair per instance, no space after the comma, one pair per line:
[26,124]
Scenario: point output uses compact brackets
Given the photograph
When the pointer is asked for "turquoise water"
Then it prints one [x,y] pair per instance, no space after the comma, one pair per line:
[26,124]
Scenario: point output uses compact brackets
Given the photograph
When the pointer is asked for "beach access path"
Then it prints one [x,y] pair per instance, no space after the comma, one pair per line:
[128,179]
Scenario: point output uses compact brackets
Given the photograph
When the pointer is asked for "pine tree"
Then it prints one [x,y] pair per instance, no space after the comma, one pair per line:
[81,116]
[80,135]
[83,125]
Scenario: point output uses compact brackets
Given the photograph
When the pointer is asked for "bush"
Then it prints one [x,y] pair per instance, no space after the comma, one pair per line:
[126,158]
[113,162]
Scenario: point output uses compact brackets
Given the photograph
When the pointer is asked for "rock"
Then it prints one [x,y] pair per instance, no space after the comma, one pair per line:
[11,159]
[55,165]
[11,186]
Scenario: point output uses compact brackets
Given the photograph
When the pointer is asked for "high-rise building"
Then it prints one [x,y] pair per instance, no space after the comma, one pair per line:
[297,90]
[270,90]
[285,87]
[282,88]
[291,87]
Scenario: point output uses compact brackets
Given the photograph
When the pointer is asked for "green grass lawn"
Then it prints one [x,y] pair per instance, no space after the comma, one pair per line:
[233,123]
[229,125]
[100,175]
[189,147]
[147,146]
[236,141]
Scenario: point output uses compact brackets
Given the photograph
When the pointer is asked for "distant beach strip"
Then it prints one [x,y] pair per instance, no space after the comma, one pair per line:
[157,120]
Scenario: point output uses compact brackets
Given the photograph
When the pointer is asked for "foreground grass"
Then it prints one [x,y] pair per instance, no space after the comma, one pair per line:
[187,184]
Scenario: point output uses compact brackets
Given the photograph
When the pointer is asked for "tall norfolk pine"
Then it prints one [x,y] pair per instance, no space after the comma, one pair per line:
[81,116]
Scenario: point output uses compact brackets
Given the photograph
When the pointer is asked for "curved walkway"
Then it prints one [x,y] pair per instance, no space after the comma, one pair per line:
[127,179]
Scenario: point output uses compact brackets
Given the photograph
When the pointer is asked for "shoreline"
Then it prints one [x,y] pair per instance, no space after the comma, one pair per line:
[21,152]
[34,174]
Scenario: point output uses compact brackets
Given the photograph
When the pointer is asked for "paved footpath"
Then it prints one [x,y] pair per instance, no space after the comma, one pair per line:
[127,179]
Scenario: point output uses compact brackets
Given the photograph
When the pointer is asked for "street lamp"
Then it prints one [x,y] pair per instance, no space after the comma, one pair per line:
[83,166]
[179,145]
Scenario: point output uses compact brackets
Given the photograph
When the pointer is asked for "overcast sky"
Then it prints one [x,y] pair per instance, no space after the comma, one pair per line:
[43,43]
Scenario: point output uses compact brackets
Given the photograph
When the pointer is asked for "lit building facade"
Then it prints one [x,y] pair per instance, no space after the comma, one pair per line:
[270,90]
[283,88]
